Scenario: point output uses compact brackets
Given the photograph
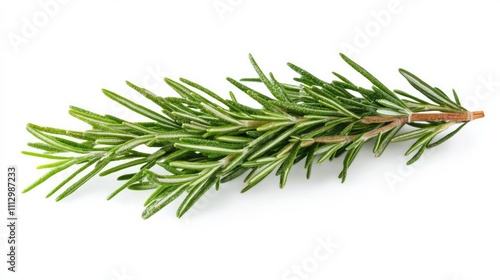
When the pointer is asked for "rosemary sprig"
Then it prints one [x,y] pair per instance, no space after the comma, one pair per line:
[202,140]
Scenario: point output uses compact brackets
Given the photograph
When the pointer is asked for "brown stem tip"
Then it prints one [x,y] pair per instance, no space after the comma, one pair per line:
[454,117]
[477,115]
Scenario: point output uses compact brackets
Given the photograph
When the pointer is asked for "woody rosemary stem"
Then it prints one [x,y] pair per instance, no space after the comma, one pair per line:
[395,121]
[427,117]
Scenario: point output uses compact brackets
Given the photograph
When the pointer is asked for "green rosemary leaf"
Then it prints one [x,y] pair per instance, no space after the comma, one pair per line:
[457,99]
[114,119]
[195,127]
[263,101]
[385,90]
[95,134]
[137,177]
[388,112]
[212,143]
[139,108]
[98,167]
[256,80]
[51,173]
[329,126]
[445,138]
[391,105]
[427,90]
[160,192]
[70,177]
[70,133]
[418,154]
[194,165]
[94,116]
[197,192]
[311,80]
[306,75]
[331,103]
[174,136]
[205,90]
[359,104]
[186,117]
[219,113]
[207,149]
[443,95]
[49,156]
[234,173]
[262,173]
[125,177]
[149,95]
[244,109]
[302,109]
[331,149]
[125,147]
[53,142]
[384,140]
[349,157]
[110,141]
[310,159]
[53,164]
[143,186]
[412,134]
[123,166]
[189,96]
[183,91]
[272,125]
[270,86]
[246,89]
[286,166]
[272,143]
[233,139]
[233,99]
[169,180]
[235,162]
[422,141]
[176,155]
[311,123]
[378,142]
[140,129]
[45,147]
[158,204]
[342,78]
[405,94]
[96,124]
[390,98]
[279,88]
[258,162]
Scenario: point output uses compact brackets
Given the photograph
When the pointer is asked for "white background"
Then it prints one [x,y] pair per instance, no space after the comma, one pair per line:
[438,219]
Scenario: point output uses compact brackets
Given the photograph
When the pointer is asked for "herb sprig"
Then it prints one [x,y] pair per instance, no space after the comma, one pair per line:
[201,140]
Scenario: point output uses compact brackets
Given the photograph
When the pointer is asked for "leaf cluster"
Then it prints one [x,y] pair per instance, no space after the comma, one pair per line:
[200,140]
